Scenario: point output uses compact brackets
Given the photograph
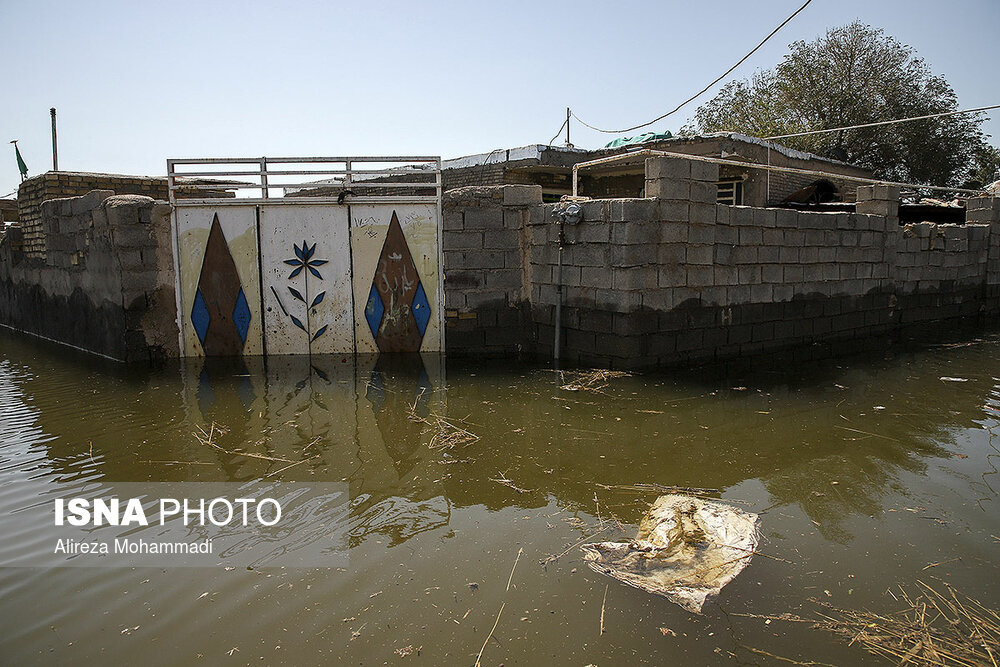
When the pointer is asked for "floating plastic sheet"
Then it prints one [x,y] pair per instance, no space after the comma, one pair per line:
[686,550]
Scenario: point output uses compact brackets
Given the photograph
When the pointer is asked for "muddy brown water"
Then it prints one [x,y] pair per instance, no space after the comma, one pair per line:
[868,473]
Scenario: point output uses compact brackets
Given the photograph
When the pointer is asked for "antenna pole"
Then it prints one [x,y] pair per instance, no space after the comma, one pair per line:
[55,145]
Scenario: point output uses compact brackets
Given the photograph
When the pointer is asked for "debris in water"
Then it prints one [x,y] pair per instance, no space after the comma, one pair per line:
[444,434]
[686,550]
[594,380]
[935,629]
[945,378]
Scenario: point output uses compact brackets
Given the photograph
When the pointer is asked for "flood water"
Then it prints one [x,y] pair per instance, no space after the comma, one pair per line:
[868,473]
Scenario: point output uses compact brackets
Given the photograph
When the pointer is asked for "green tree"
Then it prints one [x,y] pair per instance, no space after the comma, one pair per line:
[853,75]
[985,167]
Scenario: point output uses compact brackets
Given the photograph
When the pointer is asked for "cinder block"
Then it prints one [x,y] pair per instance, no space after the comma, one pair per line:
[761,293]
[886,192]
[658,299]
[668,168]
[509,278]
[701,234]
[703,214]
[673,211]
[788,255]
[792,274]
[704,171]
[671,253]
[705,192]
[699,254]
[785,217]
[663,188]
[700,276]
[674,232]
[640,210]
[522,195]
[721,213]
[751,235]
[768,254]
[460,240]
[674,275]
[725,275]
[633,255]
[764,217]
[772,273]
[745,255]
[595,276]
[646,233]
[587,254]
[741,215]
[749,274]
[89,201]
[619,301]
[483,218]
[591,232]
[772,236]
[451,219]
[727,234]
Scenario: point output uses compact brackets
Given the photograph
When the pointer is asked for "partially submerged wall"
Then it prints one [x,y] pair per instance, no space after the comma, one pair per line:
[677,278]
[486,246]
[106,283]
[671,278]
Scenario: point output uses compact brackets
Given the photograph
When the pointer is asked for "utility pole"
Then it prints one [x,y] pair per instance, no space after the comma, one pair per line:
[55,145]
[568,114]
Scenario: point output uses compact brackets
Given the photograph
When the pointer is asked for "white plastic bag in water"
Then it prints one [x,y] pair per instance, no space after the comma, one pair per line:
[686,549]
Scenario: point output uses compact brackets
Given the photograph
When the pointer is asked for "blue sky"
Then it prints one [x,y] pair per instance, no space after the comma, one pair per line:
[138,82]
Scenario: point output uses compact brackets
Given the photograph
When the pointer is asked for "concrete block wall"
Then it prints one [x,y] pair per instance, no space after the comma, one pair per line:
[61,184]
[484,248]
[106,283]
[677,278]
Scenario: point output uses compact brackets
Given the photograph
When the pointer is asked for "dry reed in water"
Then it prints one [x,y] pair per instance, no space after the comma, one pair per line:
[935,629]
[444,433]
[594,380]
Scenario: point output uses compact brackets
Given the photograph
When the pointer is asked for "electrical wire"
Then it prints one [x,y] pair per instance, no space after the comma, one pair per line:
[884,122]
[702,91]
[558,132]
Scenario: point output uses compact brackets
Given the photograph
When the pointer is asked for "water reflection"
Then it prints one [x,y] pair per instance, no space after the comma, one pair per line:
[834,443]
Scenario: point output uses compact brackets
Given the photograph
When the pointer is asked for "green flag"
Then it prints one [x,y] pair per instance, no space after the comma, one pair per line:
[23,168]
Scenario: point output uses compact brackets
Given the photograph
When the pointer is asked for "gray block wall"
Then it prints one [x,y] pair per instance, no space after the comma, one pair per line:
[484,244]
[106,283]
[676,278]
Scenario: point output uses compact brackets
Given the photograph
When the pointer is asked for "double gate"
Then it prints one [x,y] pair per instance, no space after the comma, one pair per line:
[307,255]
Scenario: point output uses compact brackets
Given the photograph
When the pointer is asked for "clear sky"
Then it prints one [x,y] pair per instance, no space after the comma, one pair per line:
[137,82]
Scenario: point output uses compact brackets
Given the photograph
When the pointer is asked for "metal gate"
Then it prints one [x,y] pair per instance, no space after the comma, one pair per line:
[307,255]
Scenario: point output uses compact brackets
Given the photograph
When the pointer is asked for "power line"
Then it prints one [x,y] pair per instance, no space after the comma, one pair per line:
[700,92]
[558,132]
[884,122]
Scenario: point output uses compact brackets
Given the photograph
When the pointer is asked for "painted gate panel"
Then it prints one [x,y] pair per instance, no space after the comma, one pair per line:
[218,279]
[396,263]
[306,276]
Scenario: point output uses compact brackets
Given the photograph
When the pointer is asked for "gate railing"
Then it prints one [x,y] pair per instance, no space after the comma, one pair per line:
[303,180]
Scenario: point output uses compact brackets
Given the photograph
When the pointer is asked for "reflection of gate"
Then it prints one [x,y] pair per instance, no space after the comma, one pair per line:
[347,264]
